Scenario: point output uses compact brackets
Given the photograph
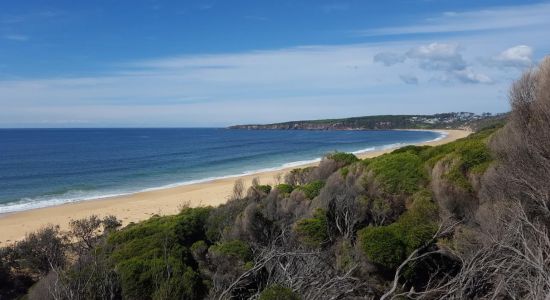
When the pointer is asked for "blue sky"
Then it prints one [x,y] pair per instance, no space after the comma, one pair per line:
[216,63]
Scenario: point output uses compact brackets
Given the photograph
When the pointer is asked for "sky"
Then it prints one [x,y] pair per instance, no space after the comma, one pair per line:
[145,63]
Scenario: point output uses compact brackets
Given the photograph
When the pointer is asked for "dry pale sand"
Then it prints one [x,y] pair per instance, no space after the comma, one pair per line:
[140,206]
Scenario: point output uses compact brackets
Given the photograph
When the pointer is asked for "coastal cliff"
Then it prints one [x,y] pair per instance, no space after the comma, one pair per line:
[454,120]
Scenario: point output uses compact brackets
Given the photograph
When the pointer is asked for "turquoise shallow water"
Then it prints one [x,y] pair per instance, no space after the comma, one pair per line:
[43,167]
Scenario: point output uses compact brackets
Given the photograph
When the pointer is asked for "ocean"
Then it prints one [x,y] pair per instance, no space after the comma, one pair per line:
[45,167]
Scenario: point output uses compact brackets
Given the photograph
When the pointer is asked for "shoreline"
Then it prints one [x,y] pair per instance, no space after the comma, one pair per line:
[141,205]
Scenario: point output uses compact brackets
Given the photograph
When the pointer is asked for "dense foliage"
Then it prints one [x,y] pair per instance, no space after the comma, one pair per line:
[401,172]
[312,189]
[153,257]
[313,231]
[389,245]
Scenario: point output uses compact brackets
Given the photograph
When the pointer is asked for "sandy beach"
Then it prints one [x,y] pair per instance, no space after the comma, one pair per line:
[140,206]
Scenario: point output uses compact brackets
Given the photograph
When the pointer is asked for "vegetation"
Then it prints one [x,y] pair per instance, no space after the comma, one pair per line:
[314,230]
[312,189]
[266,189]
[437,121]
[464,220]
[236,248]
[389,245]
[153,259]
[401,172]
[386,206]
[382,246]
[277,292]
[284,188]
[343,158]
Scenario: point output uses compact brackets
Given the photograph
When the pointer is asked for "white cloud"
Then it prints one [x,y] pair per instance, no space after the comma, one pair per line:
[258,86]
[444,57]
[317,81]
[467,75]
[519,57]
[438,56]
[29,17]
[488,19]
[16,37]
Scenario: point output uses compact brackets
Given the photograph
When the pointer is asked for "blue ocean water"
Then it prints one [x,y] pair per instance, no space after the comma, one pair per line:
[43,167]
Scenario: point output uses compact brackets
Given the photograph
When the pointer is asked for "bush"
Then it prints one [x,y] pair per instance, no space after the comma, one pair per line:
[277,292]
[418,224]
[412,149]
[221,219]
[285,188]
[314,231]
[471,156]
[468,155]
[191,225]
[412,230]
[382,246]
[344,172]
[299,176]
[153,257]
[266,189]
[312,189]
[40,250]
[343,158]
[13,284]
[235,248]
[401,172]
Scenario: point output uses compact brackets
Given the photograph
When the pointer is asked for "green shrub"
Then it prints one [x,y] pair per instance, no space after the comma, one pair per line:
[313,231]
[382,245]
[343,158]
[144,251]
[344,172]
[412,149]
[266,189]
[285,188]
[412,230]
[191,225]
[401,172]
[418,225]
[312,189]
[468,155]
[235,248]
[179,286]
[277,292]
[222,217]
[473,153]
[199,246]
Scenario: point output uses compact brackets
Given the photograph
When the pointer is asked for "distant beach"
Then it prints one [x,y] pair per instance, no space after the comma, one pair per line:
[134,207]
